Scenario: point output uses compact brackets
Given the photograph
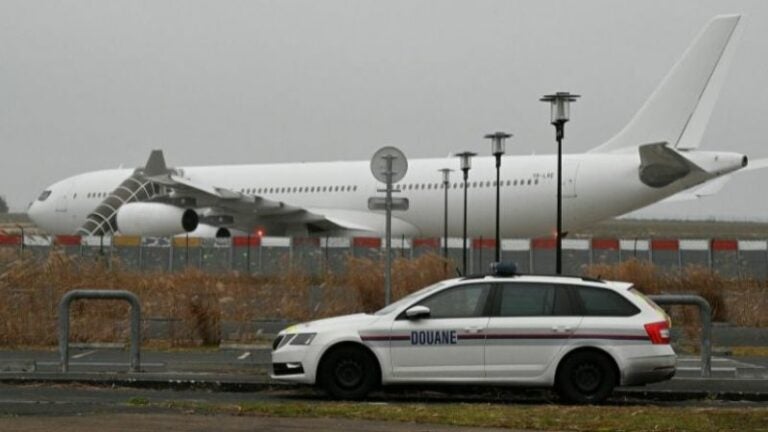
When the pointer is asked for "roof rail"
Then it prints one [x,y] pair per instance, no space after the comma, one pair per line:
[584,278]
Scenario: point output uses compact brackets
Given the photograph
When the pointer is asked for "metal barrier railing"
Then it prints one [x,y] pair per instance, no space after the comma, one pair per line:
[705,313]
[128,296]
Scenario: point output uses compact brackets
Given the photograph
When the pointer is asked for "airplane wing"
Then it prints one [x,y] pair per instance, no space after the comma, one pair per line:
[714,186]
[219,206]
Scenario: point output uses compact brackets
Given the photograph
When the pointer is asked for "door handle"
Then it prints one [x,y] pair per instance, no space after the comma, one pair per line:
[472,329]
[562,329]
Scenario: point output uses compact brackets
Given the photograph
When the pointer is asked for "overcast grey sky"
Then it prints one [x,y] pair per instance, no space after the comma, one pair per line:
[87,85]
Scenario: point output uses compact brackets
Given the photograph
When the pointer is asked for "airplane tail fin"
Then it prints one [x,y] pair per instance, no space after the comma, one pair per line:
[678,110]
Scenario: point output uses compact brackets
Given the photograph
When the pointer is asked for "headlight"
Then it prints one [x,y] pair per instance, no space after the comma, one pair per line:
[303,339]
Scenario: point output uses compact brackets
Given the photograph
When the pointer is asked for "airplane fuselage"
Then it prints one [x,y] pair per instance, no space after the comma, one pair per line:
[595,187]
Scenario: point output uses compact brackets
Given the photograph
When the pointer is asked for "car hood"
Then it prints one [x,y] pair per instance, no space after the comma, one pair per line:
[344,321]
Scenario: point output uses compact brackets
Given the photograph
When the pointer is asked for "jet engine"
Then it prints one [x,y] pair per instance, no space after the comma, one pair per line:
[155,219]
[210,231]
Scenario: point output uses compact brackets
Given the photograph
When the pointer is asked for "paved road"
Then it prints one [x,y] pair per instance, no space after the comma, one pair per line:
[65,403]
[246,370]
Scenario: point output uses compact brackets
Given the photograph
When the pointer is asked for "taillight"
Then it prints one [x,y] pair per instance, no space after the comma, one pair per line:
[658,332]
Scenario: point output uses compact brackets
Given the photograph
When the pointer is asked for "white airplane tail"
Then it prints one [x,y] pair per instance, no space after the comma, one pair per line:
[678,111]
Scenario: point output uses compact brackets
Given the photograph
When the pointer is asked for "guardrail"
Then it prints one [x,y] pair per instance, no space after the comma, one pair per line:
[69,297]
[705,313]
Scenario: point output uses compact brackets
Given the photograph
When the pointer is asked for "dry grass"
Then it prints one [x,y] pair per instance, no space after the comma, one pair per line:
[741,302]
[194,305]
[198,308]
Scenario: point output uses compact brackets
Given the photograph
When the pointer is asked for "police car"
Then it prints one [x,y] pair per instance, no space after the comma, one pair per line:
[581,336]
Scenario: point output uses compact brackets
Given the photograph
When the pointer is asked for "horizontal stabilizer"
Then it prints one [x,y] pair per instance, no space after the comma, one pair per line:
[712,187]
[660,165]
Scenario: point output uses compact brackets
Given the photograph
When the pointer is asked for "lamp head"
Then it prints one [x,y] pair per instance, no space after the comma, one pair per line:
[466,160]
[497,142]
[560,106]
[446,174]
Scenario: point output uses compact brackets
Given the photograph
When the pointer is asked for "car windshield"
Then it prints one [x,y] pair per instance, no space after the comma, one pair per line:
[410,297]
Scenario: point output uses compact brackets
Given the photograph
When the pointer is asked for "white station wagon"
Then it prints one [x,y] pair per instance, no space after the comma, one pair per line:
[581,336]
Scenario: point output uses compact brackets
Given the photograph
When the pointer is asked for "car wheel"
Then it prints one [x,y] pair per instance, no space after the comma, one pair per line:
[349,373]
[586,378]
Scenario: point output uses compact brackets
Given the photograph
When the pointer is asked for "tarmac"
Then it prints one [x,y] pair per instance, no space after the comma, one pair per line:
[246,369]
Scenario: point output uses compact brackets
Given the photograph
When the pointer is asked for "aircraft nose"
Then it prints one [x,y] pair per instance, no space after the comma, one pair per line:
[33,212]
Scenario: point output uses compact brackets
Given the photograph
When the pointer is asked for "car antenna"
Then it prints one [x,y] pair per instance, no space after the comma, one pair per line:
[458,272]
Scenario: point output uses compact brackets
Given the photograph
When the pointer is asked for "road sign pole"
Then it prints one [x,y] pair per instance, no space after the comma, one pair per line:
[388,165]
[388,272]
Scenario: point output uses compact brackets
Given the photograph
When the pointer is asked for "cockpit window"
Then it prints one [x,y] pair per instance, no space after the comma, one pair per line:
[43,196]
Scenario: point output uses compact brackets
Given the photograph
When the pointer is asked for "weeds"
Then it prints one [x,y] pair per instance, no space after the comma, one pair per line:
[192,306]
[202,309]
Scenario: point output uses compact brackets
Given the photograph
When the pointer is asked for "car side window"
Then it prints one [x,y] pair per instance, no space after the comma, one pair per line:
[463,301]
[534,299]
[603,302]
[519,299]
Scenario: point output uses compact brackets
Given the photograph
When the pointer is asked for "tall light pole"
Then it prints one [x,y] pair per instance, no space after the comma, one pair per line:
[497,149]
[466,165]
[560,105]
[446,185]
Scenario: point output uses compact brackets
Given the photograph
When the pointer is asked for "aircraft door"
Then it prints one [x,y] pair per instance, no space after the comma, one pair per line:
[62,196]
[61,203]
[570,171]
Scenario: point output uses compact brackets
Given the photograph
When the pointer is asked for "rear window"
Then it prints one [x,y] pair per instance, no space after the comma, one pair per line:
[603,302]
[650,302]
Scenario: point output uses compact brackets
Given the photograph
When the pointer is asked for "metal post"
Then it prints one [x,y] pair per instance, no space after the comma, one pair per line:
[446,185]
[388,272]
[466,165]
[69,297]
[559,115]
[445,222]
[464,242]
[705,313]
[559,244]
[498,204]
[497,149]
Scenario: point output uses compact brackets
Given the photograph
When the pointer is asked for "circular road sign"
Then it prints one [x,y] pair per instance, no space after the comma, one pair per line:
[379,164]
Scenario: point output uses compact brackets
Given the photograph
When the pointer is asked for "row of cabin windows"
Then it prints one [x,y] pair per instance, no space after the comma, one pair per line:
[311,189]
[474,184]
[412,186]
[298,189]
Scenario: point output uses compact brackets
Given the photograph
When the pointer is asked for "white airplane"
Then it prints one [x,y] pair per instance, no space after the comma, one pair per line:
[654,157]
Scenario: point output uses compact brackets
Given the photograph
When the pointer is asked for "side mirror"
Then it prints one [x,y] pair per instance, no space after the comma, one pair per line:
[417,312]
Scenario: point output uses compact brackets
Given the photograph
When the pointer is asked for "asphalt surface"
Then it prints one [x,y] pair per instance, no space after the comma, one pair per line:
[100,394]
[246,369]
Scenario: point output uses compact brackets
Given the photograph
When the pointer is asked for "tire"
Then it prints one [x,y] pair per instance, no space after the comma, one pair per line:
[348,372]
[586,378]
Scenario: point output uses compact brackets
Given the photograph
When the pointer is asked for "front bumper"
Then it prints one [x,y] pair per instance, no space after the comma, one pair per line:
[295,363]
[283,369]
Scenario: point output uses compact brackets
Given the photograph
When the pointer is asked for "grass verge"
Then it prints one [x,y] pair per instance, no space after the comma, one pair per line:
[531,417]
